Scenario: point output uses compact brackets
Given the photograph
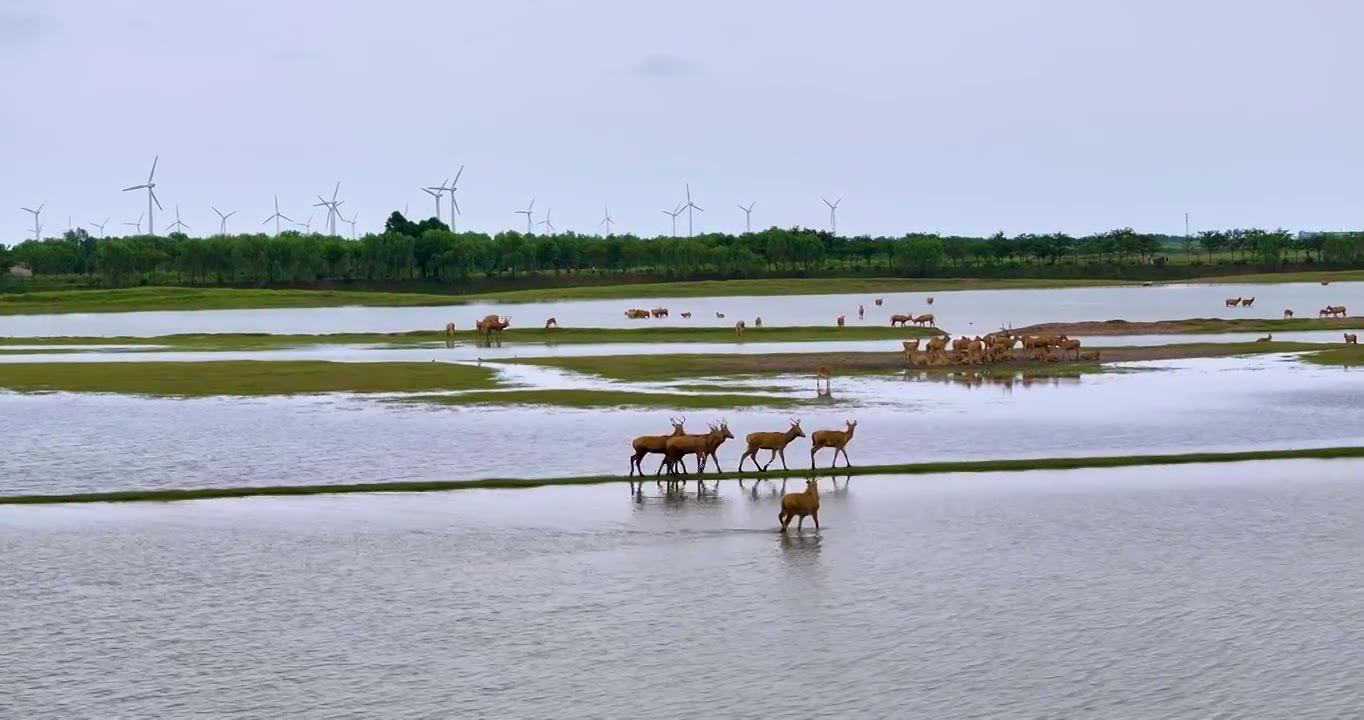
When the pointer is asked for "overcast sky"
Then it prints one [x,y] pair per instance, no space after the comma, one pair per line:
[957,117]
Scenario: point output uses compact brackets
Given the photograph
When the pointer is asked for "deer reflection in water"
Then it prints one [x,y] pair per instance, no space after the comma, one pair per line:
[1004,381]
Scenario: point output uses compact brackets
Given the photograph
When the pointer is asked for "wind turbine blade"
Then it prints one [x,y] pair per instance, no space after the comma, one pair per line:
[337,190]
[836,202]
[461,172]
[135,187]
[532,205]
[320,204]
[826,202]
[152,174]
[456,202]
[266,220]
[286,217]
[234,212]
[688,193]
[27,210]
[699,208]
[603,222]
[155,199]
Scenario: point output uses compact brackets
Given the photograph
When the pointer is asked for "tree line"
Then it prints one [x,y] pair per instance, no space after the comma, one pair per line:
[428,251]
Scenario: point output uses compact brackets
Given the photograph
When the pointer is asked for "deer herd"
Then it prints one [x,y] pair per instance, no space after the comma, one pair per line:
[678,445]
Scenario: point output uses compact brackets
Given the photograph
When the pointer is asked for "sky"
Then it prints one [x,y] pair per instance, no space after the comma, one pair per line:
[965,117]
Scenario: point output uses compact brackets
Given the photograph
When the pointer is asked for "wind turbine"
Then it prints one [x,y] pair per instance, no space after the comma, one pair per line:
[137,224]
[526,212]
[689,207]
[454,204]
[222,226]
[276,217]
[549,226]
[101,226]
[37,229]
[353,216]
[151,195]
[436,192]
[332,206]
[748,216]
[179,226]
[673,214]
[606,220]
[833,215]
[307,226]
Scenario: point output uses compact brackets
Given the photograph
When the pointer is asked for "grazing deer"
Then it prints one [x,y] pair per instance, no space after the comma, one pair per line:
[899,320]
[636,313]
[861,312]
[799,505]
[686,316]
[1247,302]
[739,328]
[757,322]
[449,329]
[1351,339]
[1266,338]
[659,312]
[1233,302]
[774,441]
[878,301]
[1287,314]
[836,439]
[925,319]
[841,320]
[647,444]
[551,323]
[719,315]
[930,299]
[824,373]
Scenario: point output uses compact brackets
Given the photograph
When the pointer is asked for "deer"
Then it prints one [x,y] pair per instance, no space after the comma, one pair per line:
[1266,338]
[659,312]
[739,328]
[1233,302]
[900,320]
[925,319]
[552,323]
[773,441]
[861,312]
[636,313]
[1092,355]
[1287,314]
[646,444]
[930,299]
[713,444]
[719,315]
[686,316]
[878,301]
[449,329]
[836,439]
[757,322]
[492,324]
[1351,339]
[1325,282]
[677,447]
[841,320]
[1247,302]
[798,505]
[1070,346]
[824,373]
[910,345]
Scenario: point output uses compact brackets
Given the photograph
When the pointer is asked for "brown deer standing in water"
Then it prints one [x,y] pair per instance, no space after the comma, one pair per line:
[449,329]
[841,320]
[657,444]
[824,373]
[774,441]
[799,505]
[836,439]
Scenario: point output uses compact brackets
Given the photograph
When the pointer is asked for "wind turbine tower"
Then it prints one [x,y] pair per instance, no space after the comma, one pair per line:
[151,195]
[436,192]
[673,214]
[454,204]
[37,228]
[307,226]
[606,219]
[276,217]
[748,216]
[526,212]
[332,206]
[351,220]
[137,225]
[179,226]
[101,226]
[689,207]
[549,226]
[833,215]
[222,224]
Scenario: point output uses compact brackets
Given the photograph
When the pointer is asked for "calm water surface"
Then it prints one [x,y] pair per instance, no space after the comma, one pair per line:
[971,311]
[1177,593]
[71,442]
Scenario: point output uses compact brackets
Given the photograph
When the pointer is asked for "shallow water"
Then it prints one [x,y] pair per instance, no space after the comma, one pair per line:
[1180,593]
[967,311]
[73,442]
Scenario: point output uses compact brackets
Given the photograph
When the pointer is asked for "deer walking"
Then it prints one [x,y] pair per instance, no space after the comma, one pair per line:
[836,439]
[653,444]
[776,442]
[799,505]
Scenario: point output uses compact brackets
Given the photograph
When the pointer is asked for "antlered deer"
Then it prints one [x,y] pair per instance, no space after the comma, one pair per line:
[900,320]
[799,505]
[678,447]
[773,441]
[658,444]
[925,319]
[836,439]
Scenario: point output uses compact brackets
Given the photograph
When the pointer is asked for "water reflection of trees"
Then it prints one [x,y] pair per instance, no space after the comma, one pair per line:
[1005,381]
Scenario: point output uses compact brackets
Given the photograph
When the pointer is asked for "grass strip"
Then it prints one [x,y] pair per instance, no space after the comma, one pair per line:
[973,466]
[242,377]
[609,399]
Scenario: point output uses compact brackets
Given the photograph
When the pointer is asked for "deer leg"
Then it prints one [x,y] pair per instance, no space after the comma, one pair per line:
[815,514]
[800,524]
[812,458]
[783,459]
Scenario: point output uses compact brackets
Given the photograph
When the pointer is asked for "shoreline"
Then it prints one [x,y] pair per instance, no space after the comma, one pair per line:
[1190,326]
